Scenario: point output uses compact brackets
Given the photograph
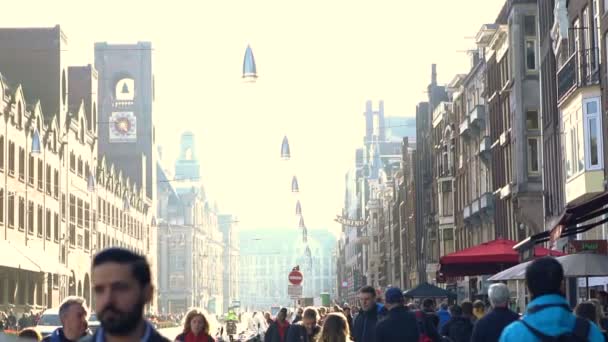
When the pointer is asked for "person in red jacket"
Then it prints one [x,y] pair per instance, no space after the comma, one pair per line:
[277,332]
[196,328]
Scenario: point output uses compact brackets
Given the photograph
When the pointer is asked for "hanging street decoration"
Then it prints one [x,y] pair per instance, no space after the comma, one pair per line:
[302,225]
[298,209]
[285,152]
[305,235]
[294,185]
[250,72]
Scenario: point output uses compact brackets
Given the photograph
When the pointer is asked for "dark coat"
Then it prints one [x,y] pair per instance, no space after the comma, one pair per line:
[155,336]
[58,333]
[297,333]
[272,334]
[458,329]
[490,326]
[399,326]
[364,329]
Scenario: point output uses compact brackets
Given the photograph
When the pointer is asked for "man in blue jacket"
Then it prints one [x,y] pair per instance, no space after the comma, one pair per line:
[400,324]
[548,314]
[371,312]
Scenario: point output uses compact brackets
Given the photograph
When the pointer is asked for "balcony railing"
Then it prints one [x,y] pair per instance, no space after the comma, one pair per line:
[580,70]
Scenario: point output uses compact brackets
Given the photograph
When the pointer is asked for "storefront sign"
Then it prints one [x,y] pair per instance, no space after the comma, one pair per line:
[588,246]
[348,222]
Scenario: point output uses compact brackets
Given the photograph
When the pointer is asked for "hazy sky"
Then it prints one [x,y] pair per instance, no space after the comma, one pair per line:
[318,62]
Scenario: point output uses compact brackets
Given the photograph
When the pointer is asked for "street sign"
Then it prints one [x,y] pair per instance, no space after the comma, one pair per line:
[295,277]
[294,291]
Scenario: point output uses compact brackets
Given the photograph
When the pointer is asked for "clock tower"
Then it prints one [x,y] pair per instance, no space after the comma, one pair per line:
[126,97]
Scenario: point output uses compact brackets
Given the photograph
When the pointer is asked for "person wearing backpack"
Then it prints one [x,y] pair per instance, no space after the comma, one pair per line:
[400,324]
[548,316]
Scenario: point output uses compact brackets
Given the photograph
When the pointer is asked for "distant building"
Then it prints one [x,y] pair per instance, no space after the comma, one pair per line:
[231,259]
[268,255]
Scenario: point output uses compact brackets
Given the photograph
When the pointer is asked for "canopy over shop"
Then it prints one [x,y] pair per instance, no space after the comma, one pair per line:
[487,258]
[426,290]
[576,219]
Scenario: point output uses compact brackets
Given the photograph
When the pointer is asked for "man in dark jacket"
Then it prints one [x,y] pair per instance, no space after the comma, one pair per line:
[277,332]
[371,312]
[459,328]
[400,324]
[306,330]
[489,328]
[73,316]
[123,286]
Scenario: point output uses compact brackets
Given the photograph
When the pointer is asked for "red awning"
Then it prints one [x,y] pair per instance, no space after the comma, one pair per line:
[486,258]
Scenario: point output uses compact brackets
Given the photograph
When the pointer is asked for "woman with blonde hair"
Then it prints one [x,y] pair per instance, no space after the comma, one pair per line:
[196,328]
[335,329]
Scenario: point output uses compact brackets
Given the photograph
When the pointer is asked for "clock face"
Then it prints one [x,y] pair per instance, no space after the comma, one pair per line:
[123,127]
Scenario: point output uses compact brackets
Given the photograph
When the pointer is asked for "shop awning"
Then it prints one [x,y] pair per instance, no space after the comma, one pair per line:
[574,220]
[486,258]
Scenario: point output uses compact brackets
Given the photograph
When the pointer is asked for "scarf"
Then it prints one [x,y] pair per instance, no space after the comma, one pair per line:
[282,327]
[201,337]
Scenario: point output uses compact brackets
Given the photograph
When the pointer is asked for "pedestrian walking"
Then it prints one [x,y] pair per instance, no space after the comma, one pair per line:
[349,316]
[467,311]
[123,287]
[73,317]
[589,311]
[335,329]
[459,328]
[490,326]
[371,312]
[400,324]
[444,315]
[479,309]
[196,328]
[428,307]
[306,330]
[277,332]
[298,317]
[548,316]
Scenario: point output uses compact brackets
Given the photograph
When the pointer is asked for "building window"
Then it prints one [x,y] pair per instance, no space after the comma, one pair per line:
[530,43]
[1,152]
[30,217]
[593,134]
[532,120]
[49,183]
[56,226]
[40,175]
[63,213]
[72,235]
[72,161]
[87,240]
[49,228]
[11,209]
[533,156]
[1,206]
[79,166]
[11,158]
[72,208]
[56,184]
[22,164]
[39,218]
[21,213]
[31,170]
[87,215]
[80,216]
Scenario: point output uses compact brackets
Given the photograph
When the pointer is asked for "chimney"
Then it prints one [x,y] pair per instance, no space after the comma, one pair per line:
[434,74]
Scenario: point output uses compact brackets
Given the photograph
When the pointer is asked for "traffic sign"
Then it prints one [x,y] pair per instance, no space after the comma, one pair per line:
[295,277]
[294,291]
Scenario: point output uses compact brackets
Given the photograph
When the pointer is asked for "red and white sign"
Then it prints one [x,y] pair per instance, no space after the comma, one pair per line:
[295,277]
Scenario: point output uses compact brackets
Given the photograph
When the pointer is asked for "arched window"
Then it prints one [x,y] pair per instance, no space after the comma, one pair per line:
[125,89]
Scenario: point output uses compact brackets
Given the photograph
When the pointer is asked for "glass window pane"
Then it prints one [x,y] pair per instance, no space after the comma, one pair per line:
[532,119]
[593,142]
[530,55]
[530,25]
[592,107]
[533,155]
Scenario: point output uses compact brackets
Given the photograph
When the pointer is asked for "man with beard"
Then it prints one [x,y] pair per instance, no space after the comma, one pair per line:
[122,286]
[73,316]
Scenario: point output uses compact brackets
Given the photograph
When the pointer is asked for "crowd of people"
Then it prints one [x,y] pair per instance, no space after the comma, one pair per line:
[122,288]
[9,321]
